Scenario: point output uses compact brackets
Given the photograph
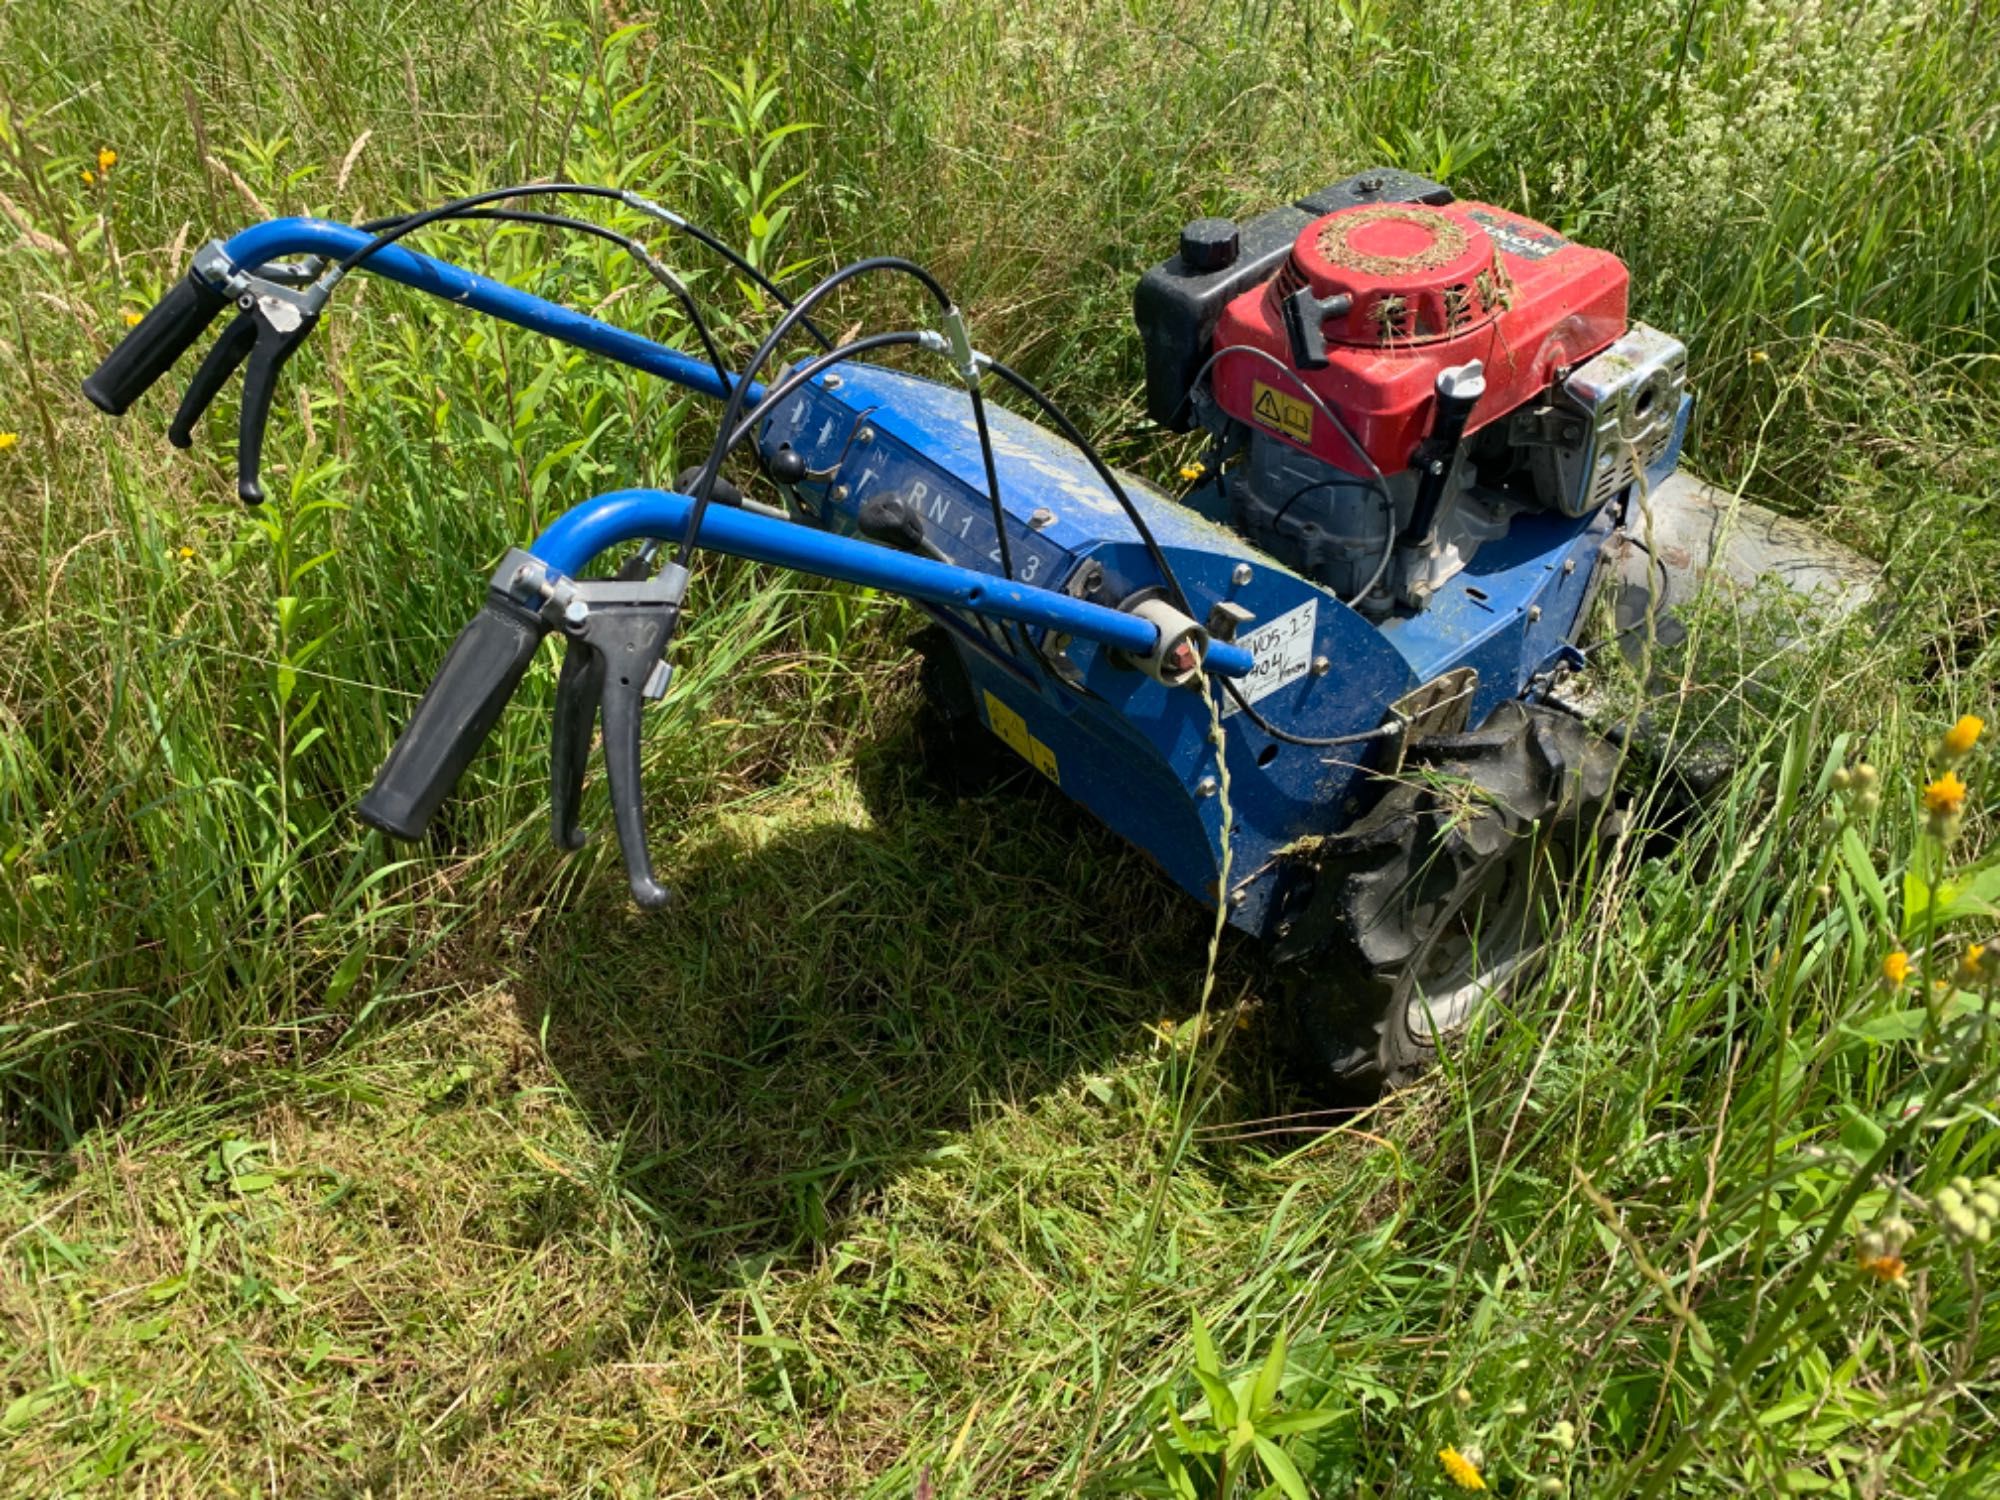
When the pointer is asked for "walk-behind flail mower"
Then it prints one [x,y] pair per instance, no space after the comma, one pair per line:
[1428,422]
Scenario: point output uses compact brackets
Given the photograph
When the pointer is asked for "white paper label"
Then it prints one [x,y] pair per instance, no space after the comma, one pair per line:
[1283,650]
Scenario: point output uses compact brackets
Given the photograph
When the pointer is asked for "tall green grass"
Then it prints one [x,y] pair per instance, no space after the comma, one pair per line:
[839,1179]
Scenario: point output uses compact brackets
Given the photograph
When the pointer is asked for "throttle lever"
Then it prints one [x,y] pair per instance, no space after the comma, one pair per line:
[617,635]
[221,362]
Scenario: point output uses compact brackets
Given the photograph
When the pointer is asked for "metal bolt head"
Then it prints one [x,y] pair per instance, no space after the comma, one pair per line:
[1534,613]
[865,436]
[1240,574]
[575,612]
[1321,666]
[1237,898]
[1206,787]
[1041,517]
[837,494]
[1569,566]
[832,383]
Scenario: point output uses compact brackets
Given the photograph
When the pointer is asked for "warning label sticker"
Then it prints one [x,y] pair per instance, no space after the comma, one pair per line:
[1281,411]
[1013,729]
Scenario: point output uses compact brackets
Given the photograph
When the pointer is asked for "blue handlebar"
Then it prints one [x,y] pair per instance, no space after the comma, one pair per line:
[322,237]
[577,536]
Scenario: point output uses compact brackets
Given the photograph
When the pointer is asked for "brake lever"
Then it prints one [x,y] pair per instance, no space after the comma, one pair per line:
[617,632]
[284,318]
[228,352]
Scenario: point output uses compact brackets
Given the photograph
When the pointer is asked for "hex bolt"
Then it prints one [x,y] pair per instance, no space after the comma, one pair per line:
[831,383]
[1240,574]
[1041,518]
[837,494]
[575,612]
[1205,787]
[1534,613]
[1321,666]
[865,436]
[1237,898]
[1569,566]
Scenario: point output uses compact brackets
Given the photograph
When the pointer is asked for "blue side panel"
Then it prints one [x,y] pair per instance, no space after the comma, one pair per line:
[1510,611]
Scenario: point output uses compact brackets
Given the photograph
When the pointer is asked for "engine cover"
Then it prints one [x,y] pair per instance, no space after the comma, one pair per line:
[1412,289]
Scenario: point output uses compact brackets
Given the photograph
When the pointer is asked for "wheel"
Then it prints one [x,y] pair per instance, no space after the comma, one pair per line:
[1401,930]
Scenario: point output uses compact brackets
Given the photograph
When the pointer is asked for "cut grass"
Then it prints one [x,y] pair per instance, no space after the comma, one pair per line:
[339,1169]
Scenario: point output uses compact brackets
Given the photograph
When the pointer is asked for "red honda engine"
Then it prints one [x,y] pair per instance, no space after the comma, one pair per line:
[1392,375]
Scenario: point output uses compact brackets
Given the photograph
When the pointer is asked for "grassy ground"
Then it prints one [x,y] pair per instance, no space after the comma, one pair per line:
[891,1161]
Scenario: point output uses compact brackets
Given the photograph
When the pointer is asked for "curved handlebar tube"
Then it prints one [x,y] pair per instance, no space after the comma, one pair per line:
[322,237]
[569,544]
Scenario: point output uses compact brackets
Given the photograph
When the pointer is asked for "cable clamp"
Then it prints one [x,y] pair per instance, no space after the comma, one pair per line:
[937,343]
[647,206]
[959,347]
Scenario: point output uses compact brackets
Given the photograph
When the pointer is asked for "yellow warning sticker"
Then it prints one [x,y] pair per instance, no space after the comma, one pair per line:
[1012,728]
[1281,412]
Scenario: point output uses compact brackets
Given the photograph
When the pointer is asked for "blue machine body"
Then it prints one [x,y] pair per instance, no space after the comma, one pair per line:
[1135,752]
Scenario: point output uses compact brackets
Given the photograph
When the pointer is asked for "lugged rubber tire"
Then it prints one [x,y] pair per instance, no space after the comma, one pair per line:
[1410,921]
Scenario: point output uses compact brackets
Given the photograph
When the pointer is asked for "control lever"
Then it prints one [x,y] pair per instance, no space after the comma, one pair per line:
[894,522]
[223,357]
[617,632]
[283,318]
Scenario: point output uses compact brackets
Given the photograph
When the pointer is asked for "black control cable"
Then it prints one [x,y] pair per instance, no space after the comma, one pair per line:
[1159,560]
[775,395]
[796,313]
[733,407]
[387,232]
[651,264]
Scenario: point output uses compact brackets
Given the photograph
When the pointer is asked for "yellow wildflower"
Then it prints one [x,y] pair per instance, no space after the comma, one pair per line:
[1896,968]
[1461,1470]
[1192,472]
[186,553]
[1886,1268]
[1166,1026]
[1946,795]
[133,320]
[88,177]
[1972,963]
[8,440]
[106,159]
[1962,736]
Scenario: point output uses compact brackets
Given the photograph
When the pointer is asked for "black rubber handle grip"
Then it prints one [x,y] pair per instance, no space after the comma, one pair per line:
[457,712]
[149,351]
